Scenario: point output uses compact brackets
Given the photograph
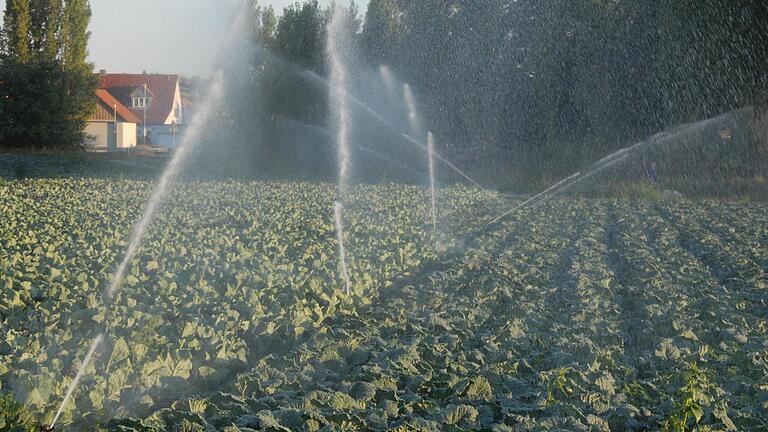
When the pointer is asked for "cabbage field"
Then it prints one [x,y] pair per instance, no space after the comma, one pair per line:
[574,315]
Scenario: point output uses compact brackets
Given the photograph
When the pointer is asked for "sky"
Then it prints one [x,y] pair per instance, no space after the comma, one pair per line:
[162,36]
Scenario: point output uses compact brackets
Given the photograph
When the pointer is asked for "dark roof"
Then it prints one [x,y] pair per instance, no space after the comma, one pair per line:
[161,87]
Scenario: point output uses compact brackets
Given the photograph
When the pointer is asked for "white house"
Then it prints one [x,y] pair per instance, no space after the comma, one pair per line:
[155,99]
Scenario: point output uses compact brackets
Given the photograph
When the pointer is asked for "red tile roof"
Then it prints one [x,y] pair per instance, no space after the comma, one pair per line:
[161,87]
[122,110]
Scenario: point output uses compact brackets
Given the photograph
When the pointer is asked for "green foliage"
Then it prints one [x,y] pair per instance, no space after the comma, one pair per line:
[16,28]
[45,25]
[14,417]
[300,35]
[693,400]
[384,32]
[558,386]
[75,35]
[299,38]
[47,31]
[269,26]
[559,84]
[44,104]
[281,53]
[581,315]
[150,356]
[46,85]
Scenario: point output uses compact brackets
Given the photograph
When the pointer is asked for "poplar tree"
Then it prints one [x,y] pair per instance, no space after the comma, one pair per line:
[52,26]
[16,28]
[46,83]
[384,31]
[75,34]
[268,26]
[45,16]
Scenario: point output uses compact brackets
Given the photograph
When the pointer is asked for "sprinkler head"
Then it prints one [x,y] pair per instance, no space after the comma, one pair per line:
[45,428]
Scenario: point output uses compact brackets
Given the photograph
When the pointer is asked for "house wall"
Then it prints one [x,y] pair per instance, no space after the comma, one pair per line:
[104,137]
[177,113]
[126,135]
[163,136]
[103,113]
[102,133]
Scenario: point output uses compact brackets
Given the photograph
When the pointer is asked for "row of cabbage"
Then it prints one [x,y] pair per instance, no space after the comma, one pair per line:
[577,315]
[229,273]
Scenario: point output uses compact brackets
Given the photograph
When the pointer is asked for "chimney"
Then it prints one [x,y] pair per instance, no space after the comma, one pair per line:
[102,72]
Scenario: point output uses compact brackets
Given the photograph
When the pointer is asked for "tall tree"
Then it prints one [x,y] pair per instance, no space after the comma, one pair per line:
[384,32]
[75,34]
[352,20]
[300,35]
[45,16]
[714,56]
[551,85]
[16,28]
[268,26]
[47,83]
[53,26]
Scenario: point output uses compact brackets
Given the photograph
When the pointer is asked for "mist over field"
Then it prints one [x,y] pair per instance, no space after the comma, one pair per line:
[393,216]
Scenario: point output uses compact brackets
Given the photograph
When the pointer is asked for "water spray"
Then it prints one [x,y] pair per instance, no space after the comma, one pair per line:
[410,105]
[339,95]
[180,156]
[73,385]
[601,165]
[431,151]
[327,134]
[193,135]
[534,198]
[338,215]
[388,78]
[565,184]
[417,130]
[340,109]
[387,123]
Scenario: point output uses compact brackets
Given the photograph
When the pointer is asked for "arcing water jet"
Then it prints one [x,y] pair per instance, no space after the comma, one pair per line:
[337,51]
[535,197]
[337,48]
[389,80]
[328,135]
[193,136]
[413,115]
[338,216]
[387,123]
[431,151]
[73,385]
[612,159]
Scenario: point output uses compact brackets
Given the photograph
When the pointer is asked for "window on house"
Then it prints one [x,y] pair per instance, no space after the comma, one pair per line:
[142,102]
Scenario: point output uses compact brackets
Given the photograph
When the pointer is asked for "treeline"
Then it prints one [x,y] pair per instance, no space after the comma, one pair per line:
[569,81]
[275,81]
[549,85]
[46,83]
[544,85]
